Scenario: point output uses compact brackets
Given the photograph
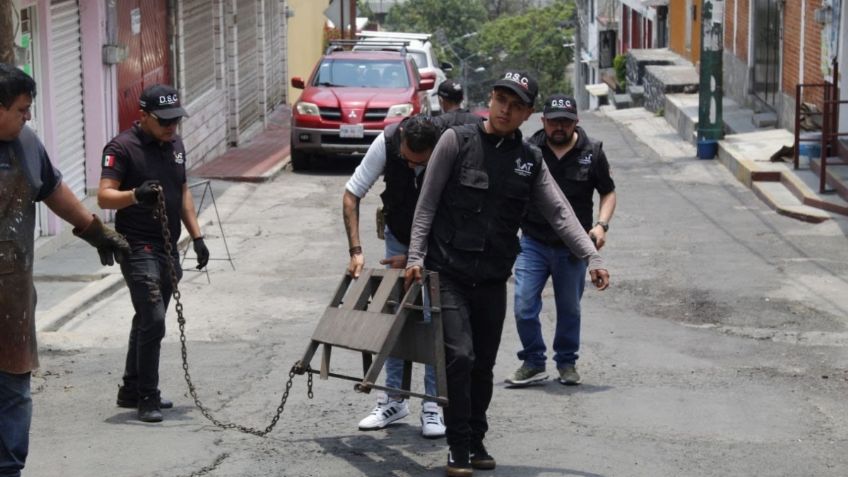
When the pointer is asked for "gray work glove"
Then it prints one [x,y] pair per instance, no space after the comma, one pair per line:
[111,245]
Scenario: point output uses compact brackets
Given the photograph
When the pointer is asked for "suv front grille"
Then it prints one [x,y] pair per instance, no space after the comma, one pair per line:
[347,141]
[376,114]
[373,114]
[333,114]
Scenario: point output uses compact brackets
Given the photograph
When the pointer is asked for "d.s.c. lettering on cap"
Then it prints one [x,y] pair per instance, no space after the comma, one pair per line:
[561,103]
[168,99]
[517,78]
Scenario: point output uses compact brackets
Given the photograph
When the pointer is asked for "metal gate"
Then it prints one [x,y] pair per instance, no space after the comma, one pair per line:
[143,29]
[766,73]
[198,47]
[66,75]
[248,63]
[274,54]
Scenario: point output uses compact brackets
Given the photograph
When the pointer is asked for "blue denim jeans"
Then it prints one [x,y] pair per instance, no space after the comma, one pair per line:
[394,366]
[15,418]
[534,265]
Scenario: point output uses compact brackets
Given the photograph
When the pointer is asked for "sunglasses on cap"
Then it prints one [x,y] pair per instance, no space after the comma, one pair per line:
[166,122]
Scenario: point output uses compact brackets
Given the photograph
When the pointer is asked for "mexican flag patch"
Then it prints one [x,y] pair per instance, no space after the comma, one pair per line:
[108,160]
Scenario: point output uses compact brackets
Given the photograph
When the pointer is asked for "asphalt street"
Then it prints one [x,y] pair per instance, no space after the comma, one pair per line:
[719,350]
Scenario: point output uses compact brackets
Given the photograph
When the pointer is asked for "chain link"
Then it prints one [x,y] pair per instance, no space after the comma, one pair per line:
[159,213]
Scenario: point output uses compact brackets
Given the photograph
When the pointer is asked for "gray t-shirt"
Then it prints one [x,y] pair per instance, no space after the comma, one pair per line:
[40,173]
[545,195]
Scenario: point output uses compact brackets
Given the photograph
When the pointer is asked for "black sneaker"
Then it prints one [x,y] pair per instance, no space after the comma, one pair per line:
[148,410]
[480,458]
[458,463]
[129,399]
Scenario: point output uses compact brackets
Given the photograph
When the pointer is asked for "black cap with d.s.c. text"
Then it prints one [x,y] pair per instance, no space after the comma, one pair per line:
[560,106]
[520,83]
[163,101]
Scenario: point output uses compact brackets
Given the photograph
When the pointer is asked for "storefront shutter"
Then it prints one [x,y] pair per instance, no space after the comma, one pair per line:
[274,53]
[66,78]
[199,48]
[248,63]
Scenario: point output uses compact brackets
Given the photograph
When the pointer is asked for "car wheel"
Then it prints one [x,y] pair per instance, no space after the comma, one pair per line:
[300,160]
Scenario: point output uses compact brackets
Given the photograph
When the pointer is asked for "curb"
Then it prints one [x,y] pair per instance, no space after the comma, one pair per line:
[65,311]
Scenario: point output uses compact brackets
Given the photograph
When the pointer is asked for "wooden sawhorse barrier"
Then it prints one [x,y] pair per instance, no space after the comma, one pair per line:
[373,315]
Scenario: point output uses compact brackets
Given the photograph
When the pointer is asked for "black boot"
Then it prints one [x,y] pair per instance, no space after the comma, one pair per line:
[148,409]
[480,458]
[458,464]
[129,399]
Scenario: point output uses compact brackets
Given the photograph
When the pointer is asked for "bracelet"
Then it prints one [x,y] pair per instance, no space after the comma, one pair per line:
[355,250]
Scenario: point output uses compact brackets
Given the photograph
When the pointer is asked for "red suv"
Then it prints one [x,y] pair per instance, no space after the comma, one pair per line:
[349,98]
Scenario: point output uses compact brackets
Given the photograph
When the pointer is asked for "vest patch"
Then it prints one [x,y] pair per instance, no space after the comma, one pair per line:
[523,168]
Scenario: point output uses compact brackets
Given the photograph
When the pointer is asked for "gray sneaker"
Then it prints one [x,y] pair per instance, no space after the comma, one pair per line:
[526,376]
[569,376]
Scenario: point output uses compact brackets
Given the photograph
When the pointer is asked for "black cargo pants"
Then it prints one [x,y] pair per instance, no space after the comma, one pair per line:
[473,317]
[148,278]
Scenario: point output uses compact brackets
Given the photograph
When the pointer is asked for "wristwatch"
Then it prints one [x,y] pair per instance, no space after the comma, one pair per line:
[603,224]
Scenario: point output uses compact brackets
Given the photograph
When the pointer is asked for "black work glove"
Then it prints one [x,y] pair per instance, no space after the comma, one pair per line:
[147,193]
[202,253]
[111,245]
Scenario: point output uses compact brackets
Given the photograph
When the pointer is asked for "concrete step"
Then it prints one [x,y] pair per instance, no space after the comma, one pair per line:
[804,184]
[622,101]
[837,175]
[783,201]
[739,121]
[765,120]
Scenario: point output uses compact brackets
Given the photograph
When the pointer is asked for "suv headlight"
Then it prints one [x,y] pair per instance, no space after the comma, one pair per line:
[400,111]
[308,109]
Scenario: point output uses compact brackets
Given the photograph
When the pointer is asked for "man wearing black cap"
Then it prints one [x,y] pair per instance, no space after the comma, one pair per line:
[450,99]
[480,181]
[137,164]
[580,167]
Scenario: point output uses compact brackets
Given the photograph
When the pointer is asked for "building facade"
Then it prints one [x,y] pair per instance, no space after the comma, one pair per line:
[92,58]
[770,46]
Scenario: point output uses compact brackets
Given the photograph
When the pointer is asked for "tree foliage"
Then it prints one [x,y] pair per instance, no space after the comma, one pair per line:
[454,17]
[532,41]
[499,8]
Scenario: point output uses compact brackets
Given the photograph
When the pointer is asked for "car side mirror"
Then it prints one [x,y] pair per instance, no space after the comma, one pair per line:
[446,66]
[427,83]
[297,82]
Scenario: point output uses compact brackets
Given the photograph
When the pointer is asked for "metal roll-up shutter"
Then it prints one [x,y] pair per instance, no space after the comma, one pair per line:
[66,78]
[198,48]
[248,63]
[274,56]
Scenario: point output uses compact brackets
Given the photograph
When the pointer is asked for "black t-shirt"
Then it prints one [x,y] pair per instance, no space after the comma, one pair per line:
[133,157]
[580,172]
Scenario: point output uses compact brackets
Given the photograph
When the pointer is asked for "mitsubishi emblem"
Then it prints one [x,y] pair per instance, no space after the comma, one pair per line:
[352,115]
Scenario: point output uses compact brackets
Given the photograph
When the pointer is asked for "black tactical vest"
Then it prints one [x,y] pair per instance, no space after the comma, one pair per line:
[402,187]
[474,232]
[577,169]
[457,117]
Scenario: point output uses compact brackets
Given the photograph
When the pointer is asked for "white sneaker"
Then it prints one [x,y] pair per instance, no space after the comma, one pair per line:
[386,412]
[432,424]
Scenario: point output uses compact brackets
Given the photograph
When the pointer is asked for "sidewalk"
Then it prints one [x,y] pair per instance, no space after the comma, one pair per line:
[747,155]
[71,278]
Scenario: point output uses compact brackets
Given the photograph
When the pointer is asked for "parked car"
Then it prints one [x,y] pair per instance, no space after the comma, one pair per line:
[418,46]
[349,99]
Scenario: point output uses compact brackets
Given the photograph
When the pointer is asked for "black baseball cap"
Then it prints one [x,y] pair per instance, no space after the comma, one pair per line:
[450,90]
[163,101]
[520,83]
[560,106]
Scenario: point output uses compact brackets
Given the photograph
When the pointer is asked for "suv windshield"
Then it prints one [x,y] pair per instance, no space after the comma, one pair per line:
[420,58]
[362,74]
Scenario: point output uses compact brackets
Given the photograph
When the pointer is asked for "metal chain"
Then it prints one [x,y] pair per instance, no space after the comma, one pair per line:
[159,213]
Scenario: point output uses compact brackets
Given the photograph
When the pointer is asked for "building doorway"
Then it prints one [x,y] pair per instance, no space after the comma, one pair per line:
[766,74]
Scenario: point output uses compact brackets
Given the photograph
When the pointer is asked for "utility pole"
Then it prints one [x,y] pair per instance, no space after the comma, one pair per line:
[710,88]
[352,19]
[7,39]
[579,81]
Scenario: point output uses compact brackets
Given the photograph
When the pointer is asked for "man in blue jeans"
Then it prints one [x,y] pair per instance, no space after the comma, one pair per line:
[580,167]
[27,177]
[401,153]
